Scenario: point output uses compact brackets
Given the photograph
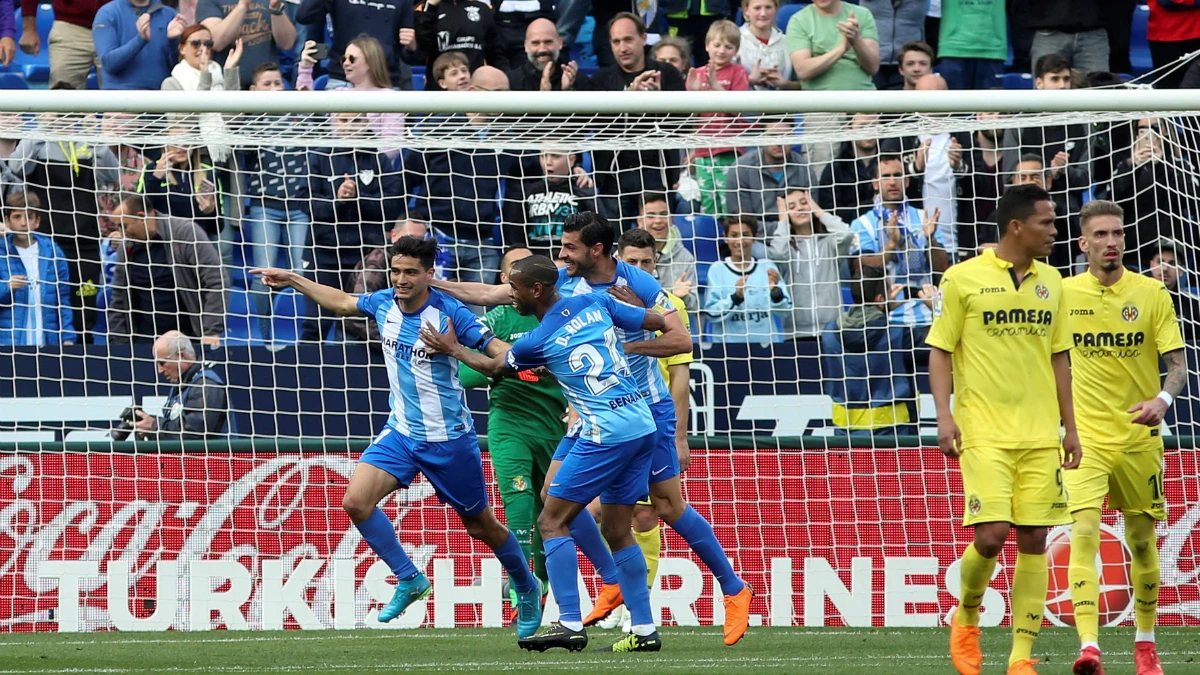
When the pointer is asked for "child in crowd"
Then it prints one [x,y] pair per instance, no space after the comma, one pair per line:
[763,51]
[745,293]
[720,74]
[452,71]
[35,283]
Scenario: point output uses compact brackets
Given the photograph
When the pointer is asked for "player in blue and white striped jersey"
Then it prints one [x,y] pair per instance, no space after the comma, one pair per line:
[587,247]
[430,429]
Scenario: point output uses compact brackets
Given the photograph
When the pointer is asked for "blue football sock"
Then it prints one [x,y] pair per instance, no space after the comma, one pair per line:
[586,534]
[696,531]
[510,555]
[562,566]
[381,537]
[631,572]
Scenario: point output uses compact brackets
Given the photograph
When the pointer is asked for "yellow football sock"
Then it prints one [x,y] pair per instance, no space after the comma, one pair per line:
[1030,582]
[650,542]
[1143,571]
[1083,575]
[975,574]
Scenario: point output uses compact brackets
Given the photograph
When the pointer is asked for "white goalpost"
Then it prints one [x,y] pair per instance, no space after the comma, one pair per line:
[822,493]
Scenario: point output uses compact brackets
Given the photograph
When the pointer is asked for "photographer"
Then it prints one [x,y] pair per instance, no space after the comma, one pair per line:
[196,410]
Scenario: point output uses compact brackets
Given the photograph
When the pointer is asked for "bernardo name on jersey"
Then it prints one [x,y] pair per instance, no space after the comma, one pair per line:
[1118,333]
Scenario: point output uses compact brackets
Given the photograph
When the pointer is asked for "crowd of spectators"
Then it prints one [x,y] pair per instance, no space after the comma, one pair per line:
[128,243]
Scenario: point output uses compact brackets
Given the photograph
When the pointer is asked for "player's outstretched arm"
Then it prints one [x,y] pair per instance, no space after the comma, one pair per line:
[473,293]
[490,363]
[941,383]
[1072,449]
[332,299]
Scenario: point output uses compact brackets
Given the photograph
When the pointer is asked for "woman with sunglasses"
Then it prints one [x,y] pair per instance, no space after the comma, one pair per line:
[366,69]
[196,70]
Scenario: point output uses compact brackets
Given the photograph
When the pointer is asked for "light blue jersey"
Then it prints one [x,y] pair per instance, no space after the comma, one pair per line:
[578,342]
[644,369]
[911,266]
[428,402]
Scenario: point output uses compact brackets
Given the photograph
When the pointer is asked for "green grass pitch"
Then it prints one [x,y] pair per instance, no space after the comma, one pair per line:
[686,650]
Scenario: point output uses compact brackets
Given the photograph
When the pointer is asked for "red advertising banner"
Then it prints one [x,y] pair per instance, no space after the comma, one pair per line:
[864,537]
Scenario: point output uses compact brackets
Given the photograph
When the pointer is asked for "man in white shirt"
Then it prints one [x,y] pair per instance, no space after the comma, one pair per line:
[939,158]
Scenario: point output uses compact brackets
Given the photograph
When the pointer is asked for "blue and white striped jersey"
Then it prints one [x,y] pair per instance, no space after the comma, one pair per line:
[428,402]
[911,267]
[644,369]
[578,342]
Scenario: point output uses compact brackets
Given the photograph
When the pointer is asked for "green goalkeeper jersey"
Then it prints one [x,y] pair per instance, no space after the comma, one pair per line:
[525,404]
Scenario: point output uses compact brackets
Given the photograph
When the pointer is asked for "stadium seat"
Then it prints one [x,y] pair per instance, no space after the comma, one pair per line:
[785,15]
[1017,80]
[701,235]
[238,326]
[1139,47]
[320,82]
[36,68]
[418,80]
[289,312]
[93,81]
[13,81]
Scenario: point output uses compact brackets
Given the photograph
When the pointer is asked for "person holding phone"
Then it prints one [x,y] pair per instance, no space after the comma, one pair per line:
[364,65]
[1150,184]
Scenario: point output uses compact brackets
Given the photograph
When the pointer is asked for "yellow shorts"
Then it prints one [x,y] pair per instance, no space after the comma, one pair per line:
[1131,480]
[1022,487]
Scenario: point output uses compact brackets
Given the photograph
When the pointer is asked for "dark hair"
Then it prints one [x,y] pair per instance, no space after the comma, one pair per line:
[536,269]
[651,197]
[1050,63]
[887,158]
[916,46]
[509,251]
[424,250]
[1032,157]
[1160,247]
[1018,203]
[637,21]
[265,67]
[592,229]
[637,238]
[137,204]
[867,283]
[742,219]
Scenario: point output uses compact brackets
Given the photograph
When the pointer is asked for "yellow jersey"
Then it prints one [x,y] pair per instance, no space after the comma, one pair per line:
[686,357]
[1002,331]
[1118,331]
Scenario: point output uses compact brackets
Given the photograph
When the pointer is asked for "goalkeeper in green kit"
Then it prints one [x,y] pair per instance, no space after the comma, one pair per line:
[525,425]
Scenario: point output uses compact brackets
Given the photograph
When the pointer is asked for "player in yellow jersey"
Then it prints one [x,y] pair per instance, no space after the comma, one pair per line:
[1121,323]
[637,247]
[999,340]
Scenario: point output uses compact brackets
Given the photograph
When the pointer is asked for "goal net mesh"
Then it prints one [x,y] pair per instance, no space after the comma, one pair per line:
[251,534]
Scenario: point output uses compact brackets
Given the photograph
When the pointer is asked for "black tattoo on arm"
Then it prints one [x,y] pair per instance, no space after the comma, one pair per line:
[1176,378]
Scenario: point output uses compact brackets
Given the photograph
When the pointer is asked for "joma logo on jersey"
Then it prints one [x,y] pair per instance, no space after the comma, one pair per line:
[1082,312]
[991,289]
[1041,317]
[1109,339]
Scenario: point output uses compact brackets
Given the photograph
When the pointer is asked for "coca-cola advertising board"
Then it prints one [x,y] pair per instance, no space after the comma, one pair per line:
[200,541]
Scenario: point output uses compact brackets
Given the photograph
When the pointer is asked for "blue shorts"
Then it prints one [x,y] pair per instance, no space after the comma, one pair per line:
[564,448]
[616,473]
[454,468]
[665,463]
